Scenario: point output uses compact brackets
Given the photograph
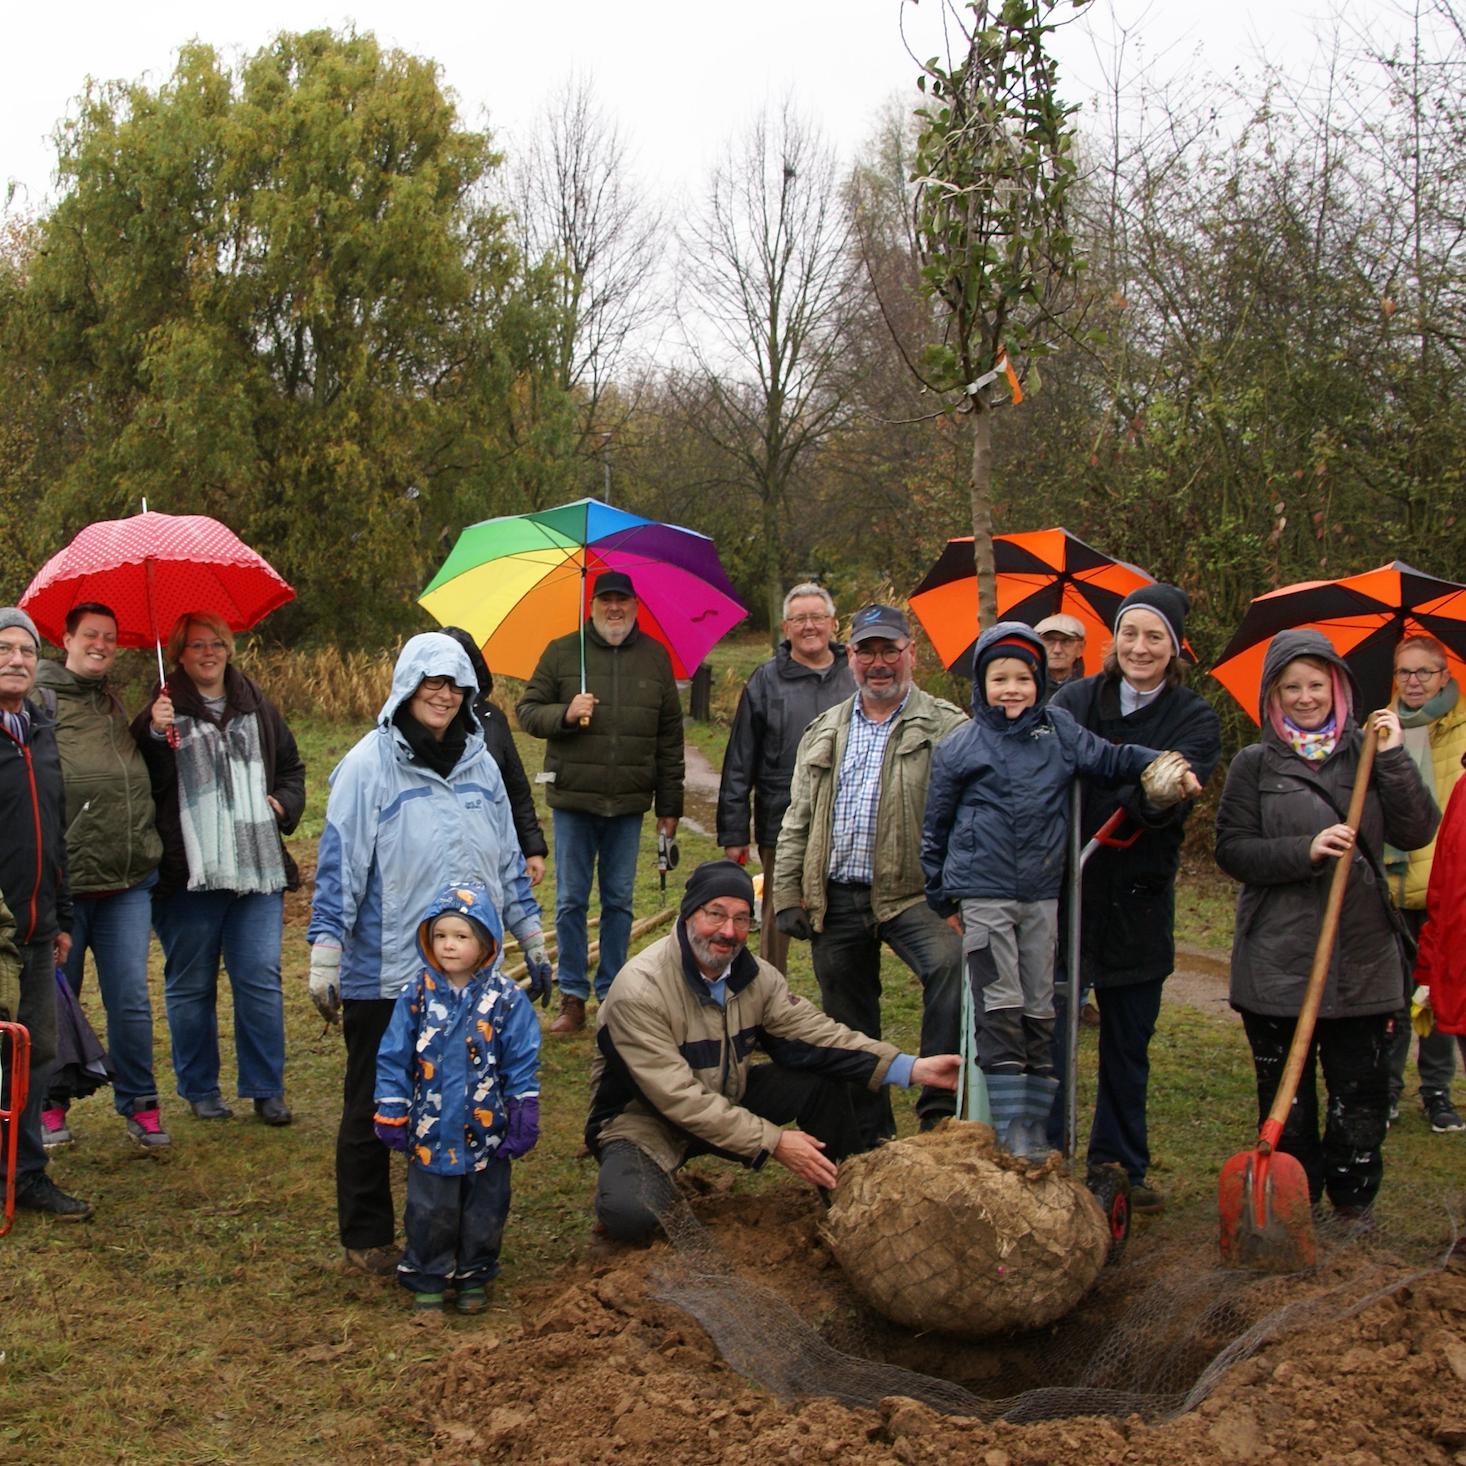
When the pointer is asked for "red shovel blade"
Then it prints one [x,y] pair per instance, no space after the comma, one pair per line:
[1267,1217]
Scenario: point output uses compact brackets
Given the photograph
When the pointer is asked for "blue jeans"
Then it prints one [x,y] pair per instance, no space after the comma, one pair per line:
[117,929]
[454,1226]
[196,929]
[580,841]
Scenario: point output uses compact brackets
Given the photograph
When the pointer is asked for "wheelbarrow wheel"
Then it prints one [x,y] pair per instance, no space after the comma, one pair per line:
[1110,1187]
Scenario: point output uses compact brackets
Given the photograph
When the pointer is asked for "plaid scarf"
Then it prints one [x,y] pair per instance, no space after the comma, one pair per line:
[230,833]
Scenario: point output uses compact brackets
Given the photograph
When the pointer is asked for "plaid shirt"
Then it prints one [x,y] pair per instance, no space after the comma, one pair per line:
[857,795]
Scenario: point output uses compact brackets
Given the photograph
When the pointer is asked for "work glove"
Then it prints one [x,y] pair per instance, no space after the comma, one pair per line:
[1422,1015]
[1162,780]
[9,991]
[793,921]
[325,980]
[523,1129]
[537,965]
[394,1137]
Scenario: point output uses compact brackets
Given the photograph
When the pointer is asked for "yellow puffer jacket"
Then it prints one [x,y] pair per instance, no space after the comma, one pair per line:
[1447,747]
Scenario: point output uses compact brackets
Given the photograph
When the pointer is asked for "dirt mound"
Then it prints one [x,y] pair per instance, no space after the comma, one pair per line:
[599,1370]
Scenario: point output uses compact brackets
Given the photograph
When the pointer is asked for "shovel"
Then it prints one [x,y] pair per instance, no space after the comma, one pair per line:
[1267,1217]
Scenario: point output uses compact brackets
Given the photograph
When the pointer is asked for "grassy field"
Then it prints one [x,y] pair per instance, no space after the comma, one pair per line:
[203,1316]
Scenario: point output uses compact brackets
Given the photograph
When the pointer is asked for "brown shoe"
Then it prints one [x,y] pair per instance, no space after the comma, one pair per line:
[572,1016]
[379,1261]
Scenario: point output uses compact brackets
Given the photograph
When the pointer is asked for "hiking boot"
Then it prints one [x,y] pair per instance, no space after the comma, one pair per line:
[54,1131]
[381,1262]
[44,1195]
[469,1300]
[212,1108]
[572,1016]
[273,1110]
[1146,1200]
[1442,1114]
[145,1126]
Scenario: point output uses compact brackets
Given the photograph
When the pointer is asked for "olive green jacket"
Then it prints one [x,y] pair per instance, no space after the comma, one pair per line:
[630,757]
[112,840]
[802,856]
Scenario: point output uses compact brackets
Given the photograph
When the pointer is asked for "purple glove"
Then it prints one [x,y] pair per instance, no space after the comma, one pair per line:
[523,1129]
[394,1137]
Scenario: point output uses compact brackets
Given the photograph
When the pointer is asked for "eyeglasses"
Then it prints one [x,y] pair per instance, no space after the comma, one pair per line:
[199,647]
[24,650]
[721,918]
[437,684]
[1417,674]
[820,620]
[883,654]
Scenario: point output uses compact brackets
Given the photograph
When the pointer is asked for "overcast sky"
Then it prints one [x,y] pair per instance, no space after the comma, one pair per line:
[679,75]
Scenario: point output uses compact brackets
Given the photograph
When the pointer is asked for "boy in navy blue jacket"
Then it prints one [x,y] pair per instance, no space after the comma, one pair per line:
[458,1090]
[993,850]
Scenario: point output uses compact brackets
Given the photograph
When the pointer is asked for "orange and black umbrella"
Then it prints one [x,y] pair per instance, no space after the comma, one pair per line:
[1365,616]
[1040,573]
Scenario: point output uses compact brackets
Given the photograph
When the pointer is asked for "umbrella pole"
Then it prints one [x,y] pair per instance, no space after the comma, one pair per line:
[580,613]
[157,638]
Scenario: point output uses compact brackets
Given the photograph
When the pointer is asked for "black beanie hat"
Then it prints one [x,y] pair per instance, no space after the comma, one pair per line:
[1169,602]
[716,878]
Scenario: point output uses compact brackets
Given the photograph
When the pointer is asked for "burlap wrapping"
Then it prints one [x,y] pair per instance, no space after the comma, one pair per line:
[944,1231]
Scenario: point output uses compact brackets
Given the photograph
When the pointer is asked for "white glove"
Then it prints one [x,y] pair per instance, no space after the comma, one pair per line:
[1163,780]
[325,980]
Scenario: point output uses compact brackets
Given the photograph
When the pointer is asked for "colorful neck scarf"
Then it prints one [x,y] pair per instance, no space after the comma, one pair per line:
[1313,744]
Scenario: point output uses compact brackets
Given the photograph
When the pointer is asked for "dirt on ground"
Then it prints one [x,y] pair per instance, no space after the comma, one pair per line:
[601,1369]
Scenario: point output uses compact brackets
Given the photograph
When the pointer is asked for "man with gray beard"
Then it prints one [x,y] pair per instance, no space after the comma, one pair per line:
[672,1077]
[615,749]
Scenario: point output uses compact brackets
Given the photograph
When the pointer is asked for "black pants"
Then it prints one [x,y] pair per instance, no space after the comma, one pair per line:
[1354,1053]
[363,1164]
[633,1192]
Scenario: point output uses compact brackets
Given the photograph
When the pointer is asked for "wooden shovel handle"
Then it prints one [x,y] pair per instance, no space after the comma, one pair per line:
[1322,952]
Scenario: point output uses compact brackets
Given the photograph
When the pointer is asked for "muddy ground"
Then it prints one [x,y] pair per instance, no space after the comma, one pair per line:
[602,1369]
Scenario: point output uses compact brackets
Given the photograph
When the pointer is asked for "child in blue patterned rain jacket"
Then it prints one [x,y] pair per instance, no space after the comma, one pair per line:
[458,1090]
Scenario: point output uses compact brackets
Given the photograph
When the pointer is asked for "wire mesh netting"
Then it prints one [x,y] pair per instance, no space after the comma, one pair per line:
[1151,1335]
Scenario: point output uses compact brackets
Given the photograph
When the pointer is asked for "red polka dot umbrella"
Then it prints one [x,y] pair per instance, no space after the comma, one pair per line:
[150,569]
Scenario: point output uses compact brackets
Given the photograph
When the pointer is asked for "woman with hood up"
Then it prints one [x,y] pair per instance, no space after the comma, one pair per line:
[1280,826]
[417,803]
[500,741]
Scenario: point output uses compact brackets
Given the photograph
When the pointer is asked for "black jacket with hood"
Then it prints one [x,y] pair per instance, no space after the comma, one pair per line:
[1273,804]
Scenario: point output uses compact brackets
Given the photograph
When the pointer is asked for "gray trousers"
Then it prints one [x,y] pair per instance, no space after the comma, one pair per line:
[1009,950]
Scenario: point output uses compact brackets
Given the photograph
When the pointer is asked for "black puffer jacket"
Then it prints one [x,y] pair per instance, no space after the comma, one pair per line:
[499,739]
[782,698]
[1273,804]
[33,817]
[1129,895]
[631,755]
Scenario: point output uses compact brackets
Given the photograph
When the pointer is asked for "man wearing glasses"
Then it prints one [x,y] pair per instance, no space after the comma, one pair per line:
[1433,718]
[847,874]
[808,674]
[672,1076]
[33,883]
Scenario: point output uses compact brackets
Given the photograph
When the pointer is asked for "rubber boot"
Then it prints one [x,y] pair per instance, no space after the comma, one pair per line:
[1038,1100]
[1006,1095]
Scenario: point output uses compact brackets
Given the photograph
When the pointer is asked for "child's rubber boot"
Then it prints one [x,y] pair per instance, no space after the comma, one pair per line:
[1006,1096]
[472,1299]
[427,1303]
[1038,1100]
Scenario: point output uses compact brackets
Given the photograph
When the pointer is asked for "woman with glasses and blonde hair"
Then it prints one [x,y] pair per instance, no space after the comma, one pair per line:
[228,782]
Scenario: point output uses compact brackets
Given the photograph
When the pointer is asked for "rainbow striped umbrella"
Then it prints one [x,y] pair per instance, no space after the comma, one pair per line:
[518,582]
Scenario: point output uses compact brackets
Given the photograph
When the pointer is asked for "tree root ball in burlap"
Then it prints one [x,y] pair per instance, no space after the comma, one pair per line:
[946,1231]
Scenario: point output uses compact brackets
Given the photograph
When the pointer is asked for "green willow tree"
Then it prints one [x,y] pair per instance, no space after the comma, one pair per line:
[277,294]
[993,171]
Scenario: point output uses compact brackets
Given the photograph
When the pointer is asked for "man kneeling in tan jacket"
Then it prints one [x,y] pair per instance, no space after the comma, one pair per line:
[672,1076]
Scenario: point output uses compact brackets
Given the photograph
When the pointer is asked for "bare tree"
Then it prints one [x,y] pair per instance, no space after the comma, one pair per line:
[767,273]
[581,210]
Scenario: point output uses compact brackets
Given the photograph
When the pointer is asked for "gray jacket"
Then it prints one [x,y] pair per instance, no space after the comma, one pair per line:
[1273,804]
